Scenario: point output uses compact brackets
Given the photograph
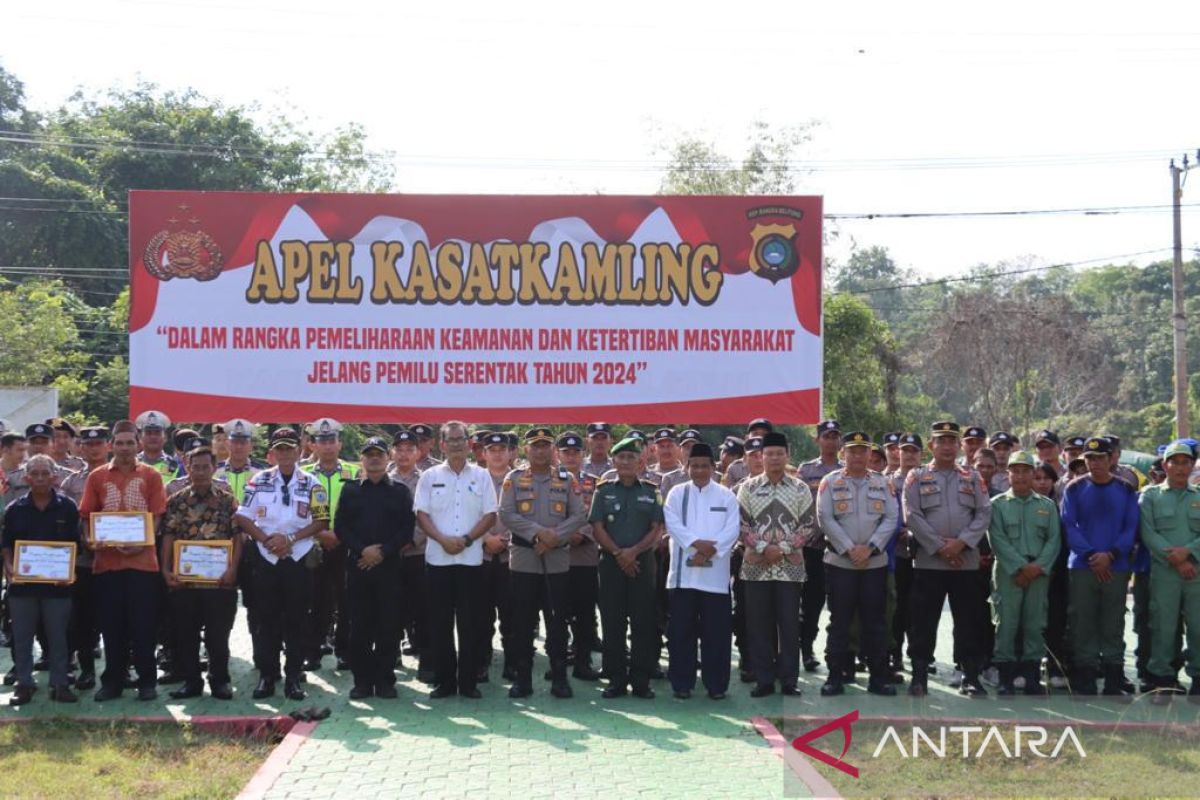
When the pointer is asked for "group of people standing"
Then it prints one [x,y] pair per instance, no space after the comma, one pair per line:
[677,545]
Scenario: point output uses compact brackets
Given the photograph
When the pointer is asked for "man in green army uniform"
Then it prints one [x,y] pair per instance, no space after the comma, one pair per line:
[1025,537]
[627,522]
[1170,530]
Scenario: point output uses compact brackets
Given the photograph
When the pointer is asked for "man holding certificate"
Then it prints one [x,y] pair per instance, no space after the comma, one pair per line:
[283,508]
[375,523]
[121,502]
[201,550]
[39,576]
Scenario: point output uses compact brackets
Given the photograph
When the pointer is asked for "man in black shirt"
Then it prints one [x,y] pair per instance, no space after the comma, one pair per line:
[42,515]
[375,522]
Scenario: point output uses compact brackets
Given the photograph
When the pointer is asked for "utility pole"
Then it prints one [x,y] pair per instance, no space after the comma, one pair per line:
[1179,317]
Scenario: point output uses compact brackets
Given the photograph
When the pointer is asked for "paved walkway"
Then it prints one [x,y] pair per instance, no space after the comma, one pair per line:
[583,747]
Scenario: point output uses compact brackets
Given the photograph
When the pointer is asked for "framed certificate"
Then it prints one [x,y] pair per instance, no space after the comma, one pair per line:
[202,561]
[43,562]
[121,528]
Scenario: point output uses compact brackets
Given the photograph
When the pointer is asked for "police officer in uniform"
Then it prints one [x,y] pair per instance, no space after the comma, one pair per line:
[857,514]
[282,510]
[948,511]
[497,594]
[1170,531]
[1002,444]
[542,507]
[152,431]
[829,442]
[329,576]
[1025,538]
[599,441]
[405,453]
[585,557]
[424,435]
[65,437]
[627,521]
[911,447]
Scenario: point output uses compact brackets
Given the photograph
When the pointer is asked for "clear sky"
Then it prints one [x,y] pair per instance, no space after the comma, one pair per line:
[918,107]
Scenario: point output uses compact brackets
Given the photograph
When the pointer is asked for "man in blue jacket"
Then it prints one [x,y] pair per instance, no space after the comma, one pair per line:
[1100,521]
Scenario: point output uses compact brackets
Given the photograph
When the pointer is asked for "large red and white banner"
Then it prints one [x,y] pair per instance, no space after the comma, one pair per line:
[391,308]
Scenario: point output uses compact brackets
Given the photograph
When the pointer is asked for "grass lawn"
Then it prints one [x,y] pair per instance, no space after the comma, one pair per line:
[61,758]
[1138,763]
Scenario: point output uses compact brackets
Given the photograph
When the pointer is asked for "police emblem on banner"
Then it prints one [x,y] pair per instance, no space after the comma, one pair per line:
[183,253]
[773,255]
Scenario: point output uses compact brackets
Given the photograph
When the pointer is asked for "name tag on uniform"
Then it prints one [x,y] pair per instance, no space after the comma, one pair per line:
[644,499]
[439,486]
[718,508]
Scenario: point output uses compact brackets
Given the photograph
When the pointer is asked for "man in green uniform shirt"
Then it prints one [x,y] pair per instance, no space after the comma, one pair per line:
[1025,536]
[627,521]
[1170,530]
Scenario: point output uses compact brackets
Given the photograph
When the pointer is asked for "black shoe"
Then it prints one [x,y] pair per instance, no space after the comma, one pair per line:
[644,692]
[62,694]
[187,690]
[881,688]
[509,673]
[519,690]
[264,689]
[86,680]
[470,694]
[108,693]
[832,688]
[147,693]
[811,664]
[425,675]
[683,694]
[789,689]
[716,695]
[445,690]
[221,691]
[10,677]
[1083,683]
[561,689]
[292,689]
[387,691]
[41,665]
[746,677]
[585,673]
[361,692]
[21,695]
[762,690]
[971,687]
[613,692]
[917,688]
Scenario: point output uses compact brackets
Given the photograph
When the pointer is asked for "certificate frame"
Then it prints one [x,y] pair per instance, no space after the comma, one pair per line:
[148,528]
[21,544]
[216,544]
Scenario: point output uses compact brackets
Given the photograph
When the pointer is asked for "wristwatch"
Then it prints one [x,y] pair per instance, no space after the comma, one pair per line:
[467,540]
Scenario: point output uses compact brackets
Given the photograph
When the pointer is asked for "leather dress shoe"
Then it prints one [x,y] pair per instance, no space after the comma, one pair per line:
[562,689]
[470,694]
[21,695]
[86,680]
[108,693]
[445,690]
[221,691]
[762,690]
[387,691]
[361,692]
[584,672]
[188,689]
[613,692]
[644,692]
[147,693]
[264,689]
[292,689]
[790,689]
[62,694]
[682,694]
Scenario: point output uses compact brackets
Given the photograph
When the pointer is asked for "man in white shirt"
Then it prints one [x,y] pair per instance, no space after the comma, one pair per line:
[703,525]
[456,506]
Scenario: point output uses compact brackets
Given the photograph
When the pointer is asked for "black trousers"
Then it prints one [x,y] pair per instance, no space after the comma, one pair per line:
[813,597]
[707,617]
[861,593]
[413,608]
[497,606]
[627,605]
[741,638]
[372,607]
[454,604]
[583,591]
[84,632]
[1058,643]
[127,606]
[531,592]
[929,591]
[210,609]
[901,618]
[329,598]
[986,635]
[773,627]
[283,597]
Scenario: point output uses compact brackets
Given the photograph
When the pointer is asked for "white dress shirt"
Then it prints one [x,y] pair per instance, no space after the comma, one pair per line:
[711,514]
[455,502]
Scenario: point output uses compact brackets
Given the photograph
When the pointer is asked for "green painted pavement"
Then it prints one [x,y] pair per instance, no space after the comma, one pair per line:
[586,746]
